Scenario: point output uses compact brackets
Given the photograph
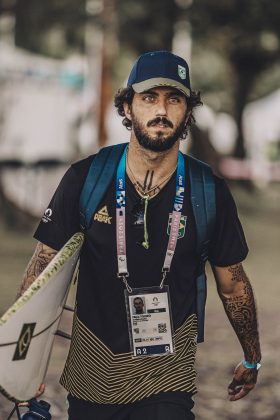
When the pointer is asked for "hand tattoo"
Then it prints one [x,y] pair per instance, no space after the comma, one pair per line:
[241,312]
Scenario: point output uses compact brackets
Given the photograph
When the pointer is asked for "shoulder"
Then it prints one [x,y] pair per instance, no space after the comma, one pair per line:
[74,178]
[195,164]
[223,193]
[81,167]
[76,174]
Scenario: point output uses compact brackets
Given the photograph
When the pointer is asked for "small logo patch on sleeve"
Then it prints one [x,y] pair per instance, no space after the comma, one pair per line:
[47,216]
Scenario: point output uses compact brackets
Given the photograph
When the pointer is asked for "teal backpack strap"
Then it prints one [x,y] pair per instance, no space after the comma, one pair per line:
[203,199]
[100,175]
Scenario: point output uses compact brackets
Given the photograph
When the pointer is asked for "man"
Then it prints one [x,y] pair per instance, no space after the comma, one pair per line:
[106,375]
[138,305]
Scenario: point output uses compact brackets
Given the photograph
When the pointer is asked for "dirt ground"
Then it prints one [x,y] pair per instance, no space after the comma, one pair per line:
[216,357]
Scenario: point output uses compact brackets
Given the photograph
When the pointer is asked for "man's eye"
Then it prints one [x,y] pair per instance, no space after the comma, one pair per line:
[148,98]
[175,99]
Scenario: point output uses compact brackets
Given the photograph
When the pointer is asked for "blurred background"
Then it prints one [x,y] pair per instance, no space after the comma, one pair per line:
[61,61]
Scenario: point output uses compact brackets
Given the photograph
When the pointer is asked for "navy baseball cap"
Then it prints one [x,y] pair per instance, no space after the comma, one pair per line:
[159,68]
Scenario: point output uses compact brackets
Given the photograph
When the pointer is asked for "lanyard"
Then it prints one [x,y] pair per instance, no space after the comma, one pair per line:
[120,219]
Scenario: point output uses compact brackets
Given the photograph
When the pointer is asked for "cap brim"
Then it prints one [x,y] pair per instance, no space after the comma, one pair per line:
[160,81]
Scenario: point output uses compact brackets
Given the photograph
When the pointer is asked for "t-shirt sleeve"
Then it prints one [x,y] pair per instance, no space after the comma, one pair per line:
[228,245]
[61,218]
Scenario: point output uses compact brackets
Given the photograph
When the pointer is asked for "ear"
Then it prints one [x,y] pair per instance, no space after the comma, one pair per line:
[127,110]
[188,114]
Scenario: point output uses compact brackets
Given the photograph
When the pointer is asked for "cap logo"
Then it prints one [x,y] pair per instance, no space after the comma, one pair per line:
[182,72]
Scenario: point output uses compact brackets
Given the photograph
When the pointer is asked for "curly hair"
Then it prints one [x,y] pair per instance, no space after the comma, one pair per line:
[125,95]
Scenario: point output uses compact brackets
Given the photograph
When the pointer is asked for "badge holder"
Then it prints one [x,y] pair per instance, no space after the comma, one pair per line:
[149,321]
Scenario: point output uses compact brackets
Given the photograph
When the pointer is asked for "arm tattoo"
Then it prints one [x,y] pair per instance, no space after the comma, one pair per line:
[39,261]
[241,311]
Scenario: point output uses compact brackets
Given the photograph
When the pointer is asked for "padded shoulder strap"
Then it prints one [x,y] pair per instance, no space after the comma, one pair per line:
[203,199]
[100,175]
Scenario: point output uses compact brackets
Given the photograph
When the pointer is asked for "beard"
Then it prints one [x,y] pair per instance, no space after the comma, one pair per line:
[161,142]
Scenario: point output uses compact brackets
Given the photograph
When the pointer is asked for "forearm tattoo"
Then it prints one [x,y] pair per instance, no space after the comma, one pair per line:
[241,311]
[39,261]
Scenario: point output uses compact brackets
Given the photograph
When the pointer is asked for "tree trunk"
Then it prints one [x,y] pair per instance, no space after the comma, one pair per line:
[109,51]
[243,88]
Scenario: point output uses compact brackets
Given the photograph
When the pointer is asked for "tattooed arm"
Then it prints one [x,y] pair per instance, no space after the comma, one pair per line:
[236,293]
[42,256]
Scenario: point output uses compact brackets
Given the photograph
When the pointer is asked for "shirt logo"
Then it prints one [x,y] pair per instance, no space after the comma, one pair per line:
[47,216]
[182,72]
[182,227]
[103,216]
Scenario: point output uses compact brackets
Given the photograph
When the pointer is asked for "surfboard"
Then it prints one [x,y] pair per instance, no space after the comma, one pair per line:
[28,328]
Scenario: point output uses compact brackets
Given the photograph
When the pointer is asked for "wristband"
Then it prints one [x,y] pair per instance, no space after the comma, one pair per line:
[248,365]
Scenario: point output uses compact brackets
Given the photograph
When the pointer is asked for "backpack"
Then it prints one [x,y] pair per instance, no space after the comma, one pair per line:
[203,200]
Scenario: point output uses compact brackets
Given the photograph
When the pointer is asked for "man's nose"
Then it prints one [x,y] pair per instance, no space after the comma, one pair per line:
[161,108]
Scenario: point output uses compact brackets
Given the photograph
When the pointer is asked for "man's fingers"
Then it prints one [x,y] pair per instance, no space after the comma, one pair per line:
[239,391]
[23,404]
[40,391]
[235,386]
[240,394]
[243,382]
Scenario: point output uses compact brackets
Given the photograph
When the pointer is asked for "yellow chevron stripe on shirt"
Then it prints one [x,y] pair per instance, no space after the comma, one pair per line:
[94,373]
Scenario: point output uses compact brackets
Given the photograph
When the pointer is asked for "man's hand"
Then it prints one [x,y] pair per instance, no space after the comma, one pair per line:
[38,394]
[243,382]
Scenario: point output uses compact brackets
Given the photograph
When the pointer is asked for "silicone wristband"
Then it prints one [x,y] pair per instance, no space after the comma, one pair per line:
[251,365]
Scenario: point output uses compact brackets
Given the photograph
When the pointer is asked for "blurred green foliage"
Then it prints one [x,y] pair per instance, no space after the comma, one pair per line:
[246,34]
[146,25]
[50,27]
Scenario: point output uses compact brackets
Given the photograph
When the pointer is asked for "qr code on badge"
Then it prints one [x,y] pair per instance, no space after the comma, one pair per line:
[162,328]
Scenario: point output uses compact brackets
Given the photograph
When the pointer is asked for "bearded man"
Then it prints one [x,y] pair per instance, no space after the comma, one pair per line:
[124,365]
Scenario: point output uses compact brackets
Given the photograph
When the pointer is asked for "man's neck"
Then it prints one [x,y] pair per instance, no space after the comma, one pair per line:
[150,168]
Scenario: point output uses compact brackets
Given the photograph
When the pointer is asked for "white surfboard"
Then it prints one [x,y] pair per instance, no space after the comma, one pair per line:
[28,327]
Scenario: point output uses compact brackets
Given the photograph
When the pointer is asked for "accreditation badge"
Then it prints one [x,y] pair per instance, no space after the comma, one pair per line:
[149,321]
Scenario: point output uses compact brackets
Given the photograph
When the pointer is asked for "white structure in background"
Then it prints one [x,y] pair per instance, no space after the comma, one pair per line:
[42,106]
[47,114]
[116,132]
[261,124]
[220,126]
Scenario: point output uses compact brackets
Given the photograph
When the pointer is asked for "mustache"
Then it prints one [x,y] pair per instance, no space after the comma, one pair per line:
[158,120]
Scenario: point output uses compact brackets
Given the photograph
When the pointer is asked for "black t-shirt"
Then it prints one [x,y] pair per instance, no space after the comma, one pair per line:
[100,296]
